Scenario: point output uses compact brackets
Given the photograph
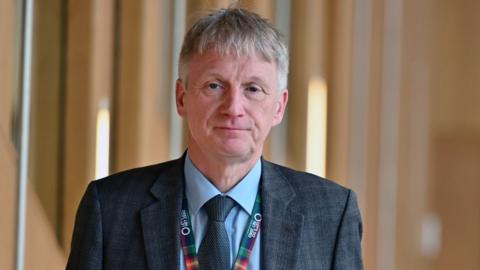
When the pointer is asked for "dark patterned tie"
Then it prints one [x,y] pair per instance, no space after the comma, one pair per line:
[214,251]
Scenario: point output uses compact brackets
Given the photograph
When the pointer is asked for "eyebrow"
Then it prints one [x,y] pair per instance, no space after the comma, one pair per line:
[257,79]
[220,75]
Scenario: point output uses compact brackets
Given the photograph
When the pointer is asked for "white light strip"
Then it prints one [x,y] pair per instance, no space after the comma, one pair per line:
[176,124]
[25,131]
[278,135]
[102,142]
[388,168]
[358,149]
[317,127]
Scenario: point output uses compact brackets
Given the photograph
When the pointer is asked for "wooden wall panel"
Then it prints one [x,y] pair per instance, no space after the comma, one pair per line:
[43,250]
[8,69]
[8,199]
[455,174]
[309,52]
[8,154]
[456,199]
[142,91]
[265,8]
[156,82]
[339,98]
[79,141]
[47,110]
[127,92]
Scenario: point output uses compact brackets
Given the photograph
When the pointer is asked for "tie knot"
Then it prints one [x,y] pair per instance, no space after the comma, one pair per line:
[218,207]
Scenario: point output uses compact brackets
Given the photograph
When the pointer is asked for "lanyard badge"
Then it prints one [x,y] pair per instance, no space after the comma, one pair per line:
[187,238]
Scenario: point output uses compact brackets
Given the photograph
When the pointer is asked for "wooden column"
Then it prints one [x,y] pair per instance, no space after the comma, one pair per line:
[156,82]
[265,8]
[339,98]
[127,92]
[77,143]
[143,84]
[47,110]
[199,8]
[308,53]
[413,210]
[88,84]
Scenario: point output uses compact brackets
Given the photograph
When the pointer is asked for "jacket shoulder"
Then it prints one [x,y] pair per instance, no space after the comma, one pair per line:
[139,173]
[313,190]
[135,184]
[304,180]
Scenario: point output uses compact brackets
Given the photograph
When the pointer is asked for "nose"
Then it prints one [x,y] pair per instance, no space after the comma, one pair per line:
[233,102]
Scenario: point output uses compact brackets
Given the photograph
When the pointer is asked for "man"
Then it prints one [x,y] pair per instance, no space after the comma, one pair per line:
[221,206]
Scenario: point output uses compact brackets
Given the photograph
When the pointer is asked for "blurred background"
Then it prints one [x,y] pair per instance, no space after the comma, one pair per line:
[384,98]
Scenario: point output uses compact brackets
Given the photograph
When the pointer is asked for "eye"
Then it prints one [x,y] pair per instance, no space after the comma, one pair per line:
[255,92]
[253,89]
[214,86]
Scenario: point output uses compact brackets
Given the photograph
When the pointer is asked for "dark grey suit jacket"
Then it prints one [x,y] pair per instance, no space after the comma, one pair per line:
[130,220]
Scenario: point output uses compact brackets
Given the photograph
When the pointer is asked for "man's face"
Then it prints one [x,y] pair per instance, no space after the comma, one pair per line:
[230,104]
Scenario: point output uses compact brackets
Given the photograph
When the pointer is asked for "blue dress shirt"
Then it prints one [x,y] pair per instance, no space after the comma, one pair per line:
[199,190]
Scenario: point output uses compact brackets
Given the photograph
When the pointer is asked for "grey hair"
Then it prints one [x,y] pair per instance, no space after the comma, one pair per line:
[238,31]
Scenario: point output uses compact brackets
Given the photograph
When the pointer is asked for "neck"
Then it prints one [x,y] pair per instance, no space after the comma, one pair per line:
[224,174]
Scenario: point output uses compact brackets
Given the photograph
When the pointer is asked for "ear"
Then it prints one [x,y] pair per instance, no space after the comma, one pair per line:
[180,92]
[280,107]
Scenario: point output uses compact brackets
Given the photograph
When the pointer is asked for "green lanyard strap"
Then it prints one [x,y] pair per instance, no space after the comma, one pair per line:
[246,246]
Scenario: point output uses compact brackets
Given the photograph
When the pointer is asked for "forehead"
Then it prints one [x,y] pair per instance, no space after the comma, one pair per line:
[211,61]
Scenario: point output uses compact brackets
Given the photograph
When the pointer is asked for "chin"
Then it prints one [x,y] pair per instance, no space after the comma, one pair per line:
[239,154]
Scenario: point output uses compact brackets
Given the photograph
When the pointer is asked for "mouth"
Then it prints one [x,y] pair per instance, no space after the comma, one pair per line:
[232,128]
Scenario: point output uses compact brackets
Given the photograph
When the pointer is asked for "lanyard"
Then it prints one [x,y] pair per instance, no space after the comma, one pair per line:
[248,239]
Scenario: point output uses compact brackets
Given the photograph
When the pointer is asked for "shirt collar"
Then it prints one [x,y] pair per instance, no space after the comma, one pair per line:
[199,190]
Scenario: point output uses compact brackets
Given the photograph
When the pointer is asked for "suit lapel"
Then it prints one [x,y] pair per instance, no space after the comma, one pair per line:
[281,226]
[160,220]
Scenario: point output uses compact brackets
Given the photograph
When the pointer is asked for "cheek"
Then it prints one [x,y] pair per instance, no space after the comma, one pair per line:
[198,116]
[268,118]
[195,107]
[263,123]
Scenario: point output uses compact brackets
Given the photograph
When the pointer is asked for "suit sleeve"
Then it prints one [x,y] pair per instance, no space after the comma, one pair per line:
[348,251]
[86,248]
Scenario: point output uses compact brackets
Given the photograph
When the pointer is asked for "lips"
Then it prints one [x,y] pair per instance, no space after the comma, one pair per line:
[232,128]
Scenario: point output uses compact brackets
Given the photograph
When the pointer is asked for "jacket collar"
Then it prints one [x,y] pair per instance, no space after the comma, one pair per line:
[281,225]
[160,220]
